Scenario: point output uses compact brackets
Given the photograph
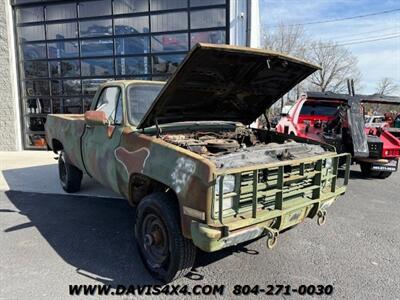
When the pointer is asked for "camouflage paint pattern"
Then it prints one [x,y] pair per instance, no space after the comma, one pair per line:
[68,130]
[119,156]
[113,159]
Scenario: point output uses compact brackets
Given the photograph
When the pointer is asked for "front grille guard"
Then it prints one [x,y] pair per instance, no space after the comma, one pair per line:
[270,186]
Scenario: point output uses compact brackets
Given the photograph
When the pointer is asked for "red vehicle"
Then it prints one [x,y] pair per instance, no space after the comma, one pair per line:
[395,129]
[338,119]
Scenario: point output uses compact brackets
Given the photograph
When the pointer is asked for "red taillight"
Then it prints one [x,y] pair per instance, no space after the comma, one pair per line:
[392,152]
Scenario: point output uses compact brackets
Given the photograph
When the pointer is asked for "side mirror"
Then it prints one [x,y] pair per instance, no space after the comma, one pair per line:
[96,118]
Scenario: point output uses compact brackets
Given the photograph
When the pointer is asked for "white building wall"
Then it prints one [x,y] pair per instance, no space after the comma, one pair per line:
[244,20]
[255,24]
[9,111]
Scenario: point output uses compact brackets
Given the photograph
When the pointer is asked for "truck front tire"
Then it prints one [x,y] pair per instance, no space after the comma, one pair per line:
[384,174]
[366,170]
[165,252]
[70,176]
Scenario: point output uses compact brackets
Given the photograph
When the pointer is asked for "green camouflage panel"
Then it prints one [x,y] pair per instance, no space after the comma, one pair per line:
[68,130]
[189,175]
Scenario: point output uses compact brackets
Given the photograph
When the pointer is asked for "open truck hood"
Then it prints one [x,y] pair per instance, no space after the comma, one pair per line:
[225,83]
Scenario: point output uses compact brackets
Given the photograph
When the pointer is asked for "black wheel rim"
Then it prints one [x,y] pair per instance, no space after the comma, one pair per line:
[155,241]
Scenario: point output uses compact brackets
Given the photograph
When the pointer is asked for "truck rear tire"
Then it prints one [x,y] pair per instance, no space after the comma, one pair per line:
[70,176]
[166,254]
[384,174]
[366,170]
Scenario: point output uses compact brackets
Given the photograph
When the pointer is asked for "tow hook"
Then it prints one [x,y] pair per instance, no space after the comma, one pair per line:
[321,217]
[272,237]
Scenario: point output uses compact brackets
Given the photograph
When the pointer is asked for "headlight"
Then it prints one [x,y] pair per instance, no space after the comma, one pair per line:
[328,163]
[228,184]
[227,203]
[327,172]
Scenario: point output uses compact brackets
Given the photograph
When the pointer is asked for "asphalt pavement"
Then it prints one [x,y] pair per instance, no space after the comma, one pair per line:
[49,241]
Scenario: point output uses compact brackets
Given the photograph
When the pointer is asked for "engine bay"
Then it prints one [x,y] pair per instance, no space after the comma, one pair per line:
[242,147]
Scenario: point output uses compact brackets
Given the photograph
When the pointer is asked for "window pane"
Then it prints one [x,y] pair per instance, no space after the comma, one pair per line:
[108,102]
[64,68]
[140,99]
[35,123]
[207,18]
[31,33]
[160,77]
[94,8]
[119,112]
[35,141]
[63,49]
[97,47]
[57,105]
[62,31]
[98,67]
[166,63]
[37,106]
[65,87]
[169,21]
[131,25]
[132,45]
[33,69]
[130,6]
[95,28]
[213,37]
[34,51]
[318,109]
[72,105]
[87,102]
[61,11]
[132,65]
[170,4]
[30,14]
[206,2]
[36,88]
[20,1]
[169,42]
[89,86]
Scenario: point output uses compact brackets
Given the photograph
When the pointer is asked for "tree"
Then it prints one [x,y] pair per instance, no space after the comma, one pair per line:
[386,86]
[337,63]
[291,40]
[287,39]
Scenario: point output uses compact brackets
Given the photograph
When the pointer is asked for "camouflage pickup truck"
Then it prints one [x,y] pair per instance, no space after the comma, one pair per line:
[184,154]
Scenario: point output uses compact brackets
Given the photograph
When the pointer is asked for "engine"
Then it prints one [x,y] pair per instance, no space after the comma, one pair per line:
[243,147]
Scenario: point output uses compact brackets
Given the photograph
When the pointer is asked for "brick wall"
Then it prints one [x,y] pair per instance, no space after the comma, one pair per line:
[8,127]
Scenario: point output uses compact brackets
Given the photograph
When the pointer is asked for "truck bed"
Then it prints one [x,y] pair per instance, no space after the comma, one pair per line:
[66,130]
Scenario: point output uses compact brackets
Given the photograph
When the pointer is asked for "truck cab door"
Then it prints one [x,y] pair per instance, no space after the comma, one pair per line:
[99,142]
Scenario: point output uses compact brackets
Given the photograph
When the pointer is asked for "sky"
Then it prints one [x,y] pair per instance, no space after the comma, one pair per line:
[376,59]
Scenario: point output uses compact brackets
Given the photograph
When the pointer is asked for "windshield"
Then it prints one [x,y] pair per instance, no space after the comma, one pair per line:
[378,120]
[140,98]
[319,109]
